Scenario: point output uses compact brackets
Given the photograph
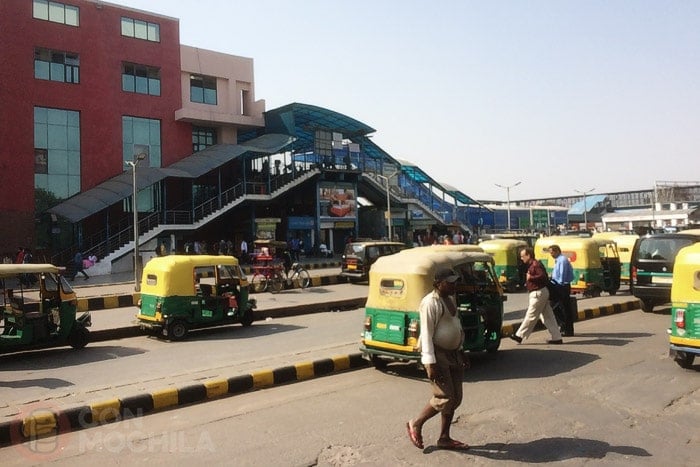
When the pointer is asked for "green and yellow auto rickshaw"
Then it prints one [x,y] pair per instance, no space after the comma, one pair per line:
[183,292]
[684,334]
[625,245]
[507,264]
[398,283]
[41,317]
[596,262]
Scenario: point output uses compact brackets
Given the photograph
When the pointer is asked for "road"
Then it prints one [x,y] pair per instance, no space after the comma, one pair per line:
[609,396]
[62,377]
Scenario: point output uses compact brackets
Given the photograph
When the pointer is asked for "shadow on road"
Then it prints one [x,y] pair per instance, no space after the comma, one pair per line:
[550,450]
[234,331]
[62,357]
[525,363]
[616,339]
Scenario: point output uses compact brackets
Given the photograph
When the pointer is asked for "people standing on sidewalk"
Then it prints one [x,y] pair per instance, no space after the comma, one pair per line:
[562,277]
[78,266]
[441,341]
[538,300]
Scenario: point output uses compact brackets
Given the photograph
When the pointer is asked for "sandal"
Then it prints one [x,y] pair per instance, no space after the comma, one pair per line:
[452,444]
[415,436]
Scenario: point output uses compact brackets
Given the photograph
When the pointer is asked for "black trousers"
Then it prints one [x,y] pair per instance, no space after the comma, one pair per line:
[561,304]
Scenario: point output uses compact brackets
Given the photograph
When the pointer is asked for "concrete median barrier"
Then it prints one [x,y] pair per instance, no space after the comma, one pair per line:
[52,423]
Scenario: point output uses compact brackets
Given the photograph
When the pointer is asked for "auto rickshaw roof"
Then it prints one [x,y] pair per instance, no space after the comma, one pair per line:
[502,243]
[11,270]
[173,262]
[423,261]
[686,274]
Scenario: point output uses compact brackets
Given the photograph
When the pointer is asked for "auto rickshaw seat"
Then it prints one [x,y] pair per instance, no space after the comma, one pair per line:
[206,289]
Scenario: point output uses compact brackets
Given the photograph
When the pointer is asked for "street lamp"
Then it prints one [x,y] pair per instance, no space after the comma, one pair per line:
[388,204]
[133,163]
[585,208]
[508,187]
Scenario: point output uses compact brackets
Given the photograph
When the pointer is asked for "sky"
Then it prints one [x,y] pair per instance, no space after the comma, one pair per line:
[562,96]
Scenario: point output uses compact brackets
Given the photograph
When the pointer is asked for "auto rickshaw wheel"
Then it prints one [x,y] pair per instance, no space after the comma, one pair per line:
[79,337]
[595,292]
[612,293]
[647,305]
[177,330]
[685,359]
[378,362]
[247,318]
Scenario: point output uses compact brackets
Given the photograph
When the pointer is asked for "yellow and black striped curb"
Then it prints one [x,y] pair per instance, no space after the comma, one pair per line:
[583,315]
[107,302]
[41,423]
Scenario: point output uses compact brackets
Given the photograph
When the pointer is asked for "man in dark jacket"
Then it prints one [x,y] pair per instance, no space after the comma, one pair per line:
[538,300]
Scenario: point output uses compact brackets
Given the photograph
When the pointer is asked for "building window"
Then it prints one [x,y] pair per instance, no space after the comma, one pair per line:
[141,136]
[57,151]
[202,138]
[56,12]
[203,89]
[140,29]
[141,79]
[56,65]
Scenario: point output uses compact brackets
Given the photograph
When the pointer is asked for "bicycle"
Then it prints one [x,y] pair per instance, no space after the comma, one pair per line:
[299,275]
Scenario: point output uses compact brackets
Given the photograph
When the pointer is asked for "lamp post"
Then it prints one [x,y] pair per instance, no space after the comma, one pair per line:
[585,208]
[388,205]
[507,188]
[133,163]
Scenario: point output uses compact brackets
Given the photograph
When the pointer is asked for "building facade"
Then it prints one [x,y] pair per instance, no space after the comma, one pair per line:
[90,85]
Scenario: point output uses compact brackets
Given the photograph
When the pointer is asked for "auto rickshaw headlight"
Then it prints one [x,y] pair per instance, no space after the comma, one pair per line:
[679,318]
[413,332]
[368,323]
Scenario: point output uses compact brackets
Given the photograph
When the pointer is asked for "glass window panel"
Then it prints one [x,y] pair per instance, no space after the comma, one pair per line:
[41,9]
[210,96]
[57,72]
[74,163]
[58,162]
[40,135]
[153,32]
[73,138]
[57,12]
[58,185]
[128,83]
[141,85]
[140,71]
[154,132]
[127,27]
[41,181]
[154,87]
[140,31]
[141,131]
[127,154]
[73,119]
[58,57]
[72,14]
[155,156]
[73,184]
[41,114]
[58,139]
[127,130]
[196,94]
[41,69]
[72,59]
[57,117]
[76,74]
